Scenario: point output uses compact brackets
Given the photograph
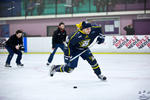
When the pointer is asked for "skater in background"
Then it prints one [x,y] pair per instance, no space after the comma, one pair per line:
[58,39]
[78,42]
[14,45]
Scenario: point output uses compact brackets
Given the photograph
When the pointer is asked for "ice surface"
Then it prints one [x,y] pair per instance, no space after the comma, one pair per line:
[127,75]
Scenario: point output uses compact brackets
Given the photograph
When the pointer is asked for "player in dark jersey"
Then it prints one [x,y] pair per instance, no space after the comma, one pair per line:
[77,43]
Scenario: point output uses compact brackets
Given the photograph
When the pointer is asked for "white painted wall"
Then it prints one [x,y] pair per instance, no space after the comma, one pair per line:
[40,44]
[44,44]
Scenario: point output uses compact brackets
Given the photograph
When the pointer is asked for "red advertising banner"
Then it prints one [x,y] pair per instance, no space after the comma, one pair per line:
[131,42]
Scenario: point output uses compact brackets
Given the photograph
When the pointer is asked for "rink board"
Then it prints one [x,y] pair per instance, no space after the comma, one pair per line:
[113,44]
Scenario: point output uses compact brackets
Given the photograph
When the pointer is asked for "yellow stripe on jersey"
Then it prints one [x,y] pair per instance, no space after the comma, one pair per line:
[60,68]
[69,42]
[82,31]
[95,67]
[96,26]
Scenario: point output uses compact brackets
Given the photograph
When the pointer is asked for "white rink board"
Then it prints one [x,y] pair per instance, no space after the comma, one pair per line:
[39,44]
[140,43]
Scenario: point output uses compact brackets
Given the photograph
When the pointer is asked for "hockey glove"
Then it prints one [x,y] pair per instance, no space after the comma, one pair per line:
[21,48]
[100,39]
[67,59]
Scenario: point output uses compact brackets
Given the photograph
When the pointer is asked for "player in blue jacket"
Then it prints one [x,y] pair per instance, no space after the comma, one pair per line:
[77,43]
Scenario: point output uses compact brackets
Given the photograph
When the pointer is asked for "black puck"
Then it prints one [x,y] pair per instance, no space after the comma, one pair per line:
[74,87]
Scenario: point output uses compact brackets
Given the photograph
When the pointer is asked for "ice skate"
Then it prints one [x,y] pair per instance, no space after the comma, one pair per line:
[52,70]
[47,63]
[102,77]
[20,65]
[7,65]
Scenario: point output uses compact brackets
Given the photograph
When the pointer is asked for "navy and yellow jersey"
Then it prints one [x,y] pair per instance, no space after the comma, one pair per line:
[81,41]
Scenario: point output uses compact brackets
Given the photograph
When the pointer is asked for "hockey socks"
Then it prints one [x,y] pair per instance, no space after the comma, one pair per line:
[97,71]
[63,68]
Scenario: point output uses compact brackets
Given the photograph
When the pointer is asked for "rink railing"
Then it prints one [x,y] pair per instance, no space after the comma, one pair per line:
[139,44]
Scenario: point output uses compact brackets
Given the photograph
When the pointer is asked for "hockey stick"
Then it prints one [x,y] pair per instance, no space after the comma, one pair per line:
[82,52]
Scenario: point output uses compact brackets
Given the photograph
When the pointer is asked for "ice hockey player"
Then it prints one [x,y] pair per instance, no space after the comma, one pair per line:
[78,42]
[14,45]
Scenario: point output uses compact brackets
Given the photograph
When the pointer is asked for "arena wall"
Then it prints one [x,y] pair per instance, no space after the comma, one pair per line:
[39,27]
